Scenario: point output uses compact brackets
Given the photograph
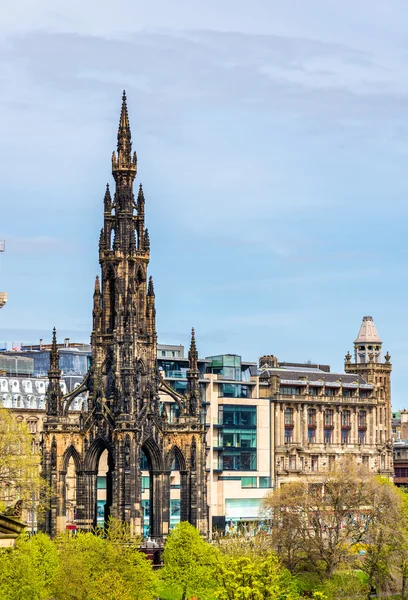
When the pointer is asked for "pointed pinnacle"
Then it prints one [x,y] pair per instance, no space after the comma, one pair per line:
[124,119]
[97,285]
[192,353]
[140,196]
[54,352]
[150,288]
[193,344]
[107,199]
[146,240]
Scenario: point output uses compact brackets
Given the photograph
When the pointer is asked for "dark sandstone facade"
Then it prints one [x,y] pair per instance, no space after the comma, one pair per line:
[124,415]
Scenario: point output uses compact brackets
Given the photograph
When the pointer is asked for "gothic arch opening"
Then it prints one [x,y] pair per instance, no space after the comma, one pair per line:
[178,490]
[103,489]
[70,494]
[71,468]
[100,466]
[152,476]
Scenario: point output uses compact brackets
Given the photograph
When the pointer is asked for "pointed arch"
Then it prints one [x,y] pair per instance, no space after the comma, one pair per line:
[139,275]
[94,453]
[176,454]
[153,454]
[71,452]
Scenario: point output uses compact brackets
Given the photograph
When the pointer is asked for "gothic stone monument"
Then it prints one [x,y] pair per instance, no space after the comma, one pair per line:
[124,415]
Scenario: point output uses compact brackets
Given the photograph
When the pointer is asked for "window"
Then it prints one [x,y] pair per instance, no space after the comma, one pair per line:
[311,435]
[328,435]
[233,390]
[329,391]
[315,463]
[328,418]
[347,393]
[248,482]
[237,438]
[288,435]
[290,391]
[362,419]
[361,436]
[400,471]
[345,418]
[313,391]
[292,463]
[311,417]
[345,436]
[145,482]
[238,461]
[241,416]
[32,426]
[163,352]
[264,482]
[288,416]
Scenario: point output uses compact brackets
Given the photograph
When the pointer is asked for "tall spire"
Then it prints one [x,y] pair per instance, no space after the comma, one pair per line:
[124,135]
[124,161]
[54,354]
[192,353]
[54,393]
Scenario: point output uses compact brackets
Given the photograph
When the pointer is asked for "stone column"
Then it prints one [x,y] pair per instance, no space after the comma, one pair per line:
[184,496]
[156,504]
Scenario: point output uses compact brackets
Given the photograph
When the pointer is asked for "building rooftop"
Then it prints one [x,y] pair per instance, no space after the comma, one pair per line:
[368,332]
[296,375]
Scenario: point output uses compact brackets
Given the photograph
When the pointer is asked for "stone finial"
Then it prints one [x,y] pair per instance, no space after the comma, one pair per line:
[146,241]
[107,200]
[150,287]
[348,358]
[387,357]
[97,289]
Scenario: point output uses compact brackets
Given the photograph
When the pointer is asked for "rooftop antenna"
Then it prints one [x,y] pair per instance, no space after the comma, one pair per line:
[3,295]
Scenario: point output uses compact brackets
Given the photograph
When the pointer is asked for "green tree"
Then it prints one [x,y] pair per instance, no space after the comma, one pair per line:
[345,585]
[27,570]
[188,564]
[19,463]
[318,526]
[91,567]
[253,578]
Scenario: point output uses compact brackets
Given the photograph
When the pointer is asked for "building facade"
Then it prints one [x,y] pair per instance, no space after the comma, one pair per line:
[277,422]
[124,425]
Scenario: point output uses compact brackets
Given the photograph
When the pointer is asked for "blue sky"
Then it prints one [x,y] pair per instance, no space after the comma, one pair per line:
[272,142]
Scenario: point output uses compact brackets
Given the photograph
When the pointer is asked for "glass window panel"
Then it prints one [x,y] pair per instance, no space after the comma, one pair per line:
[327,436]
[264,482]
[101,483]
[248,482]
[175,509]
[144,463]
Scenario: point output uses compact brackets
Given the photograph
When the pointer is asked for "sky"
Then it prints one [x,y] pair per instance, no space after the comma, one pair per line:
[272,142]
